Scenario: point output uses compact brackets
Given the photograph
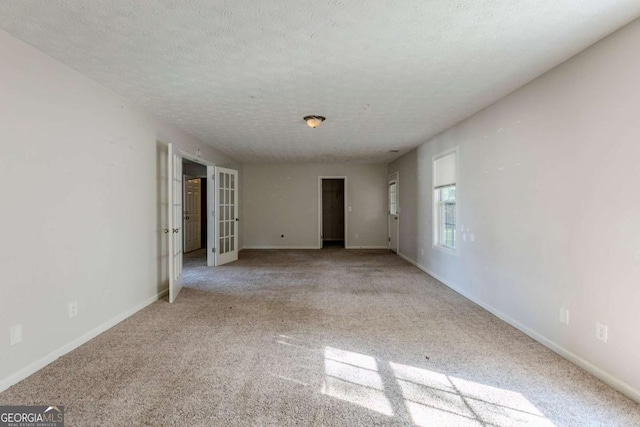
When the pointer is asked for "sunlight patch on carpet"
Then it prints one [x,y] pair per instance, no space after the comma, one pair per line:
[354,378]
[429,398]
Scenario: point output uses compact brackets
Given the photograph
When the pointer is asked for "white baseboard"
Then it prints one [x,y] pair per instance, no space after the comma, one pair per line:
[280,247]
[614,382]
[312,247]
[410,261]
[25,372]
[367,247]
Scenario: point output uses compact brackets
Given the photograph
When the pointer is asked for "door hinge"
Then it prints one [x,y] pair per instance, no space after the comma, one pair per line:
[389,238]
[213,250]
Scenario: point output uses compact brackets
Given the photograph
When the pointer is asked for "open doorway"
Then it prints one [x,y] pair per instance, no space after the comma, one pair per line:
[332,212]
[194,215]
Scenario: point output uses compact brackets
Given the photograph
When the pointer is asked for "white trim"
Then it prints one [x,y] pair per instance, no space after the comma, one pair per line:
[410,261]
[612,381]
[280,247]
[210,200]
[195,159]
[312,247]
[367,247]
[25,372]
[346,210]
[446,249]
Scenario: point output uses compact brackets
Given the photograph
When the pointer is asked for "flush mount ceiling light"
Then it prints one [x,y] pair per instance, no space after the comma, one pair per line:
[314,121]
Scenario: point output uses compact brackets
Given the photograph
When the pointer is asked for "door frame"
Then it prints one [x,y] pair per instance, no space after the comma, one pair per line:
[397,180]
[346,209]
[210,200]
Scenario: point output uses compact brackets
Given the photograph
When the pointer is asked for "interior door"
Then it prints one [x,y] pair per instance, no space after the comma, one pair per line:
[175,222]
[393,212]
[162,151]
[226,215]
[192,216]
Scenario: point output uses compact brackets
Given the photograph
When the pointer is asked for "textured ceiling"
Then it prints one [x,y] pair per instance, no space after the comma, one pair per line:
[241,74]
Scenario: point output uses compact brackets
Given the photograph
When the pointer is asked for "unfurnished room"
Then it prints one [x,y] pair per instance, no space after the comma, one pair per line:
[334,213]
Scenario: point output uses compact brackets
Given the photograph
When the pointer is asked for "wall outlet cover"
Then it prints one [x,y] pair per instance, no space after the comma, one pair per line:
[564,315]
[602,332]
[73,309]
[15,334]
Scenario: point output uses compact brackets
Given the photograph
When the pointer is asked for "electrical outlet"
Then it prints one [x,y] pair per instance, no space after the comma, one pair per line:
[357,236]
[73,309]
[602,332]
[421,251]
[15,334]
[564,315]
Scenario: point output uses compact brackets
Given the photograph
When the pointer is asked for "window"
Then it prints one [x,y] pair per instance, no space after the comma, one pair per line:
[447,216]
[393,198]
[444,206]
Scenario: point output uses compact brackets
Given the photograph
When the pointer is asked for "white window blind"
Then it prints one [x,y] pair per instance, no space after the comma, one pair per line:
[445,170]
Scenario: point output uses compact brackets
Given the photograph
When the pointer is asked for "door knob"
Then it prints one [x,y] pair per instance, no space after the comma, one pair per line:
[175,230]
[166,230]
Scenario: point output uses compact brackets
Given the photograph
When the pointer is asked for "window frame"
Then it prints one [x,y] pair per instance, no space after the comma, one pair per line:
[438,205]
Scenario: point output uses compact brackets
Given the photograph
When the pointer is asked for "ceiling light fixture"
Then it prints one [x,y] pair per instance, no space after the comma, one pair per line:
[314,121]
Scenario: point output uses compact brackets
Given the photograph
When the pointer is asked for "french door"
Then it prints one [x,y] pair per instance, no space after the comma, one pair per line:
[175,223]
[226,215]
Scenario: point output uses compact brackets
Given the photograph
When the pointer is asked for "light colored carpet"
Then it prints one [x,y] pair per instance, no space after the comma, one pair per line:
[330,337]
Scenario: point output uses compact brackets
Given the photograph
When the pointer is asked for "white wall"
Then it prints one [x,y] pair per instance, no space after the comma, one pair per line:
[548,184]
[283,199]
[83,224]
